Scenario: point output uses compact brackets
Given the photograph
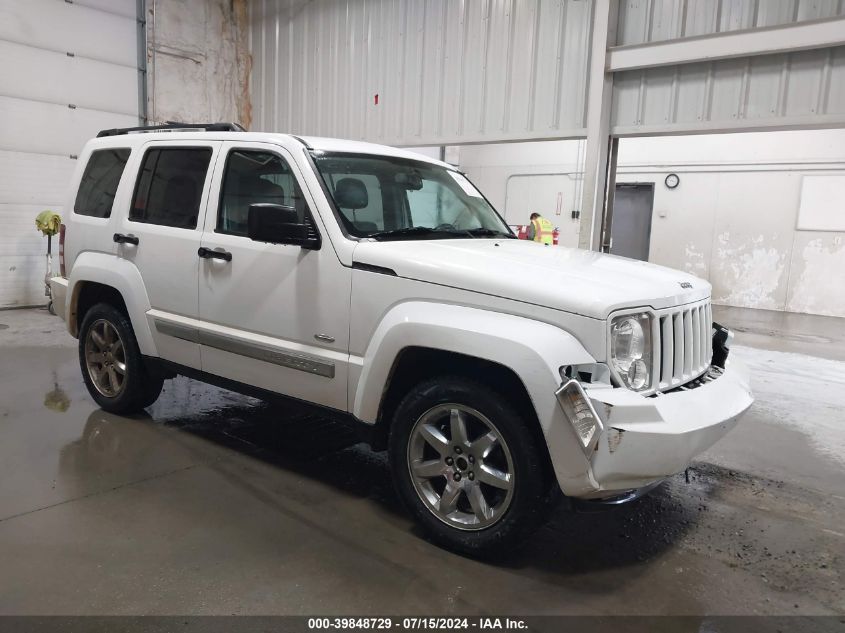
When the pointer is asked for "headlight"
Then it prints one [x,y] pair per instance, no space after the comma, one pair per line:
[630,350]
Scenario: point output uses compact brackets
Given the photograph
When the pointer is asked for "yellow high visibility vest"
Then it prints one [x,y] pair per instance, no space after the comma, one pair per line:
[543,230]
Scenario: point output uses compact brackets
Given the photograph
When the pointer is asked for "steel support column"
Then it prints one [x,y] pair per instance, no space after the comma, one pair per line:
[599,101]
[141,19]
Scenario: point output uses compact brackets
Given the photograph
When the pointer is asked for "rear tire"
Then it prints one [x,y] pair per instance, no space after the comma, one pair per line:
[467,466]
[111,362]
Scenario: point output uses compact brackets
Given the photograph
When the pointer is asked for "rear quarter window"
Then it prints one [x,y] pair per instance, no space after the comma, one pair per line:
[98,186]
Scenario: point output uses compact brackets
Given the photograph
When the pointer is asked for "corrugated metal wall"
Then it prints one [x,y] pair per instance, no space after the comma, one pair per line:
[642,21]
[445,71]
[806,88]
[464,71]
[798,89]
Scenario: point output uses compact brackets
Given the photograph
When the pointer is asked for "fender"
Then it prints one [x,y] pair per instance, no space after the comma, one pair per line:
[534,350]
[123,276]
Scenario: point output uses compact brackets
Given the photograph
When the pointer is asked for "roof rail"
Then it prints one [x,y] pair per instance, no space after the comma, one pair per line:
[174,126]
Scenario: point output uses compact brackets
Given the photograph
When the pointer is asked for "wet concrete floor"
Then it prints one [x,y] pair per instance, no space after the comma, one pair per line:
[214,503]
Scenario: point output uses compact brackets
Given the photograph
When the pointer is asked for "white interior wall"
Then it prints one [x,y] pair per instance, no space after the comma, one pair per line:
[732,220]
[67,70]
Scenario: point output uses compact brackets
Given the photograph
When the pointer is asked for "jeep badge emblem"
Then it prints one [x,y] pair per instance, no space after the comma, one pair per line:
[685,284]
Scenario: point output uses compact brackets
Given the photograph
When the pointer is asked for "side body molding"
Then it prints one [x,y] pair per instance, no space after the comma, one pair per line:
[123,276]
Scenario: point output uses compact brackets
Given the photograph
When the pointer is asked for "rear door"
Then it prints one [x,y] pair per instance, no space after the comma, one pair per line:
[161,235]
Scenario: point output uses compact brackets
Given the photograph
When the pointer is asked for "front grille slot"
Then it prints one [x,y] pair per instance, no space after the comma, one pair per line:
[684,350]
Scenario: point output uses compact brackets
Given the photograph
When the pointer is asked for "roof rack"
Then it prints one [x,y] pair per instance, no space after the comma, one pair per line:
[174,126]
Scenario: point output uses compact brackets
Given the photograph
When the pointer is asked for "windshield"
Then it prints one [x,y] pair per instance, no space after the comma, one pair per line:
[394,198]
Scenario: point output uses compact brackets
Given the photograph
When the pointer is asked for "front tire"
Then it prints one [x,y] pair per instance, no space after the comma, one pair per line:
[111,362]
[467,466]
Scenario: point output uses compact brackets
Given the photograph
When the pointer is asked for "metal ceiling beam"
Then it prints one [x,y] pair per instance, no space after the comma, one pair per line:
[788,38]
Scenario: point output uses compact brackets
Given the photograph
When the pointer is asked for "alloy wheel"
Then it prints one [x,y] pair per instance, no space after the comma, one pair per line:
[460,466]
[105,358]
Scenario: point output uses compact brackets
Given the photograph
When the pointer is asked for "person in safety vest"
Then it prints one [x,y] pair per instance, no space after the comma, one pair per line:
[540,230]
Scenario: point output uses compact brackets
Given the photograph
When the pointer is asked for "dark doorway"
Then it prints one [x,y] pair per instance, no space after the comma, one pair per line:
[631,220]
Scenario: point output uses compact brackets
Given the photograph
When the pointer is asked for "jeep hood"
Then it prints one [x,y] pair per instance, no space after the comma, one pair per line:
[573,280]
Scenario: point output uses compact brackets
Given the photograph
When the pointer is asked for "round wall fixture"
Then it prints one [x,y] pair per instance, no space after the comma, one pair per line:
[672,181]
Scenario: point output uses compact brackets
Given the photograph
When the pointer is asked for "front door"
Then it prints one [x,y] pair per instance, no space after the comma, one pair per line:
[274,316]
[631,220]
[161,235]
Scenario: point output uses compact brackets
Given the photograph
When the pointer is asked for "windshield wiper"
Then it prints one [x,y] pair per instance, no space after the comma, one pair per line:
[482,232]
[412,231]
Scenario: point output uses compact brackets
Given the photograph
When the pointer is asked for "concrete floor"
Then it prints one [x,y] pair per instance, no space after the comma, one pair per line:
[216,504]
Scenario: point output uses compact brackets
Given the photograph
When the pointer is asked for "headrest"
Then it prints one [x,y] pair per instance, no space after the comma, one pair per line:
[350,193]
[256,186]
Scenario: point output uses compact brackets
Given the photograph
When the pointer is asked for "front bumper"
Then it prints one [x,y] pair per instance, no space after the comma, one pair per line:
[646,439]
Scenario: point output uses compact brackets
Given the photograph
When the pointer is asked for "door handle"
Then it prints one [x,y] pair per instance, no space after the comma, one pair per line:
[207,253]
[120,238]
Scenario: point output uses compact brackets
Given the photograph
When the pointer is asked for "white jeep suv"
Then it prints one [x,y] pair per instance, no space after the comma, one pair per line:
[383,288]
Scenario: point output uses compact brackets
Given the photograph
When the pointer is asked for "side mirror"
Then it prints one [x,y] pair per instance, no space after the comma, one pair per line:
[278,224]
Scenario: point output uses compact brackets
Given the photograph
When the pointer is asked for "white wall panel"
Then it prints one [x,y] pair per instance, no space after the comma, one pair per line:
[22,256]
[822,205]
[68,27]
[445,71]
[125,8]
[67,70]
[34,178]
[812,287]
[30,184]
[55,78]
[45,128]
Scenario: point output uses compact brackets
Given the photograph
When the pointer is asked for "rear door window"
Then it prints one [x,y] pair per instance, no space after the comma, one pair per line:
[170,184]
[98,186]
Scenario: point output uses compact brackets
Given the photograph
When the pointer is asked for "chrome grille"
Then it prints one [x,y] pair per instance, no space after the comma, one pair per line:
[685,349]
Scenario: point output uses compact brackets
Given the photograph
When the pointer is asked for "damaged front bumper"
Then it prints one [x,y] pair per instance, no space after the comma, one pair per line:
[642,440]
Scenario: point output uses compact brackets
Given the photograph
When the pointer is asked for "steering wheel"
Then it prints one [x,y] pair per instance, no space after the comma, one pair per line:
[445,227]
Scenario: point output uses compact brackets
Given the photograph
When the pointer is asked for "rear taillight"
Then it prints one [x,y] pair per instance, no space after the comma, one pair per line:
[62,231]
